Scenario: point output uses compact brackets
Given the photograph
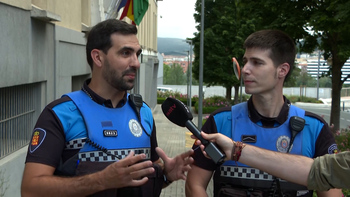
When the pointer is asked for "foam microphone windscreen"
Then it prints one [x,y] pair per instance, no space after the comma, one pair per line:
[176,111]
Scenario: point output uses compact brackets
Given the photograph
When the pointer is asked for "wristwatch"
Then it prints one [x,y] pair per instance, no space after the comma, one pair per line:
[166,180]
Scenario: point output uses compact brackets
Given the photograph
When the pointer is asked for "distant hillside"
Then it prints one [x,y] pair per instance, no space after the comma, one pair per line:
[173,46]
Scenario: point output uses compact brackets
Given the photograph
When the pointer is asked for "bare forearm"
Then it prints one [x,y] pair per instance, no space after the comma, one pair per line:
[195,194]
[293,168]
[195,191]
[62,186]
[197,182]
[330,193]
[39,179]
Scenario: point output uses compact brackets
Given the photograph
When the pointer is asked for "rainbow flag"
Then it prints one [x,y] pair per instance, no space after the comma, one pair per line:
[135,10]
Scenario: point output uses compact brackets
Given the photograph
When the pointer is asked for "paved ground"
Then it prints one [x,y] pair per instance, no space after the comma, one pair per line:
[173,140]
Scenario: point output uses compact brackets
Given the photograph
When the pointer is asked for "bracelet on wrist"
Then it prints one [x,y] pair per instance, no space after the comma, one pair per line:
[237,150]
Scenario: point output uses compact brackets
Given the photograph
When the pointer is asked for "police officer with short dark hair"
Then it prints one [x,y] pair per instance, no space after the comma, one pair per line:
[101,141]
[263,121]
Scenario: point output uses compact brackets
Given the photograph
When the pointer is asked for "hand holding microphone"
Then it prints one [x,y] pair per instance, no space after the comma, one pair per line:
[178,113]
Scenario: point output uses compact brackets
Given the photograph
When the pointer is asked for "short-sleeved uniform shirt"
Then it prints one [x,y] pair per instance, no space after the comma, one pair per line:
[324,143]
[48,143]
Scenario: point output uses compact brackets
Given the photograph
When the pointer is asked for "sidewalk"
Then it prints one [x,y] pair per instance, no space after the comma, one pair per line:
[172,139]
[344,102]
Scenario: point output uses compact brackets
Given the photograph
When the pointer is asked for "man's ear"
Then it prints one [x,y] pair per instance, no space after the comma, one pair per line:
[97,57]
[283,70]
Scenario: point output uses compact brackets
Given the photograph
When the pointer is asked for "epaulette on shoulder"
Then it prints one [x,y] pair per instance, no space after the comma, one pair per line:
[59,101]
[310,114]
[222,109]
[146,104]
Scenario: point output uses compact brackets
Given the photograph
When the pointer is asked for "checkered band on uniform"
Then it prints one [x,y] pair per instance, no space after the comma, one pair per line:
[245,173]
[103,157]
[76,143]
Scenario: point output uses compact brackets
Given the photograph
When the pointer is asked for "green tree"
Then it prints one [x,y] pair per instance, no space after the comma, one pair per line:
[166,74]
[314,25]
[223,39]
[322,25]
[291,81]
[306,80]
[174,75]
[325,82]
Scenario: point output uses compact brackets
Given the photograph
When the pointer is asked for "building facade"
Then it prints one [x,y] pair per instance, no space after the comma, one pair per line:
[314,65]
[43,50]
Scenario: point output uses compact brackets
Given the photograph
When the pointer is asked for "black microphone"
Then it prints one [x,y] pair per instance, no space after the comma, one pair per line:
[178,113]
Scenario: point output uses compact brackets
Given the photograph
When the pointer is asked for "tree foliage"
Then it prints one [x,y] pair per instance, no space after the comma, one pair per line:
[223,39]
[314,25]
[174,75]
[292,79]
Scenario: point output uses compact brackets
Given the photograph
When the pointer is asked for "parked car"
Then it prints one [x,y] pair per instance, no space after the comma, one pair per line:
[164,89]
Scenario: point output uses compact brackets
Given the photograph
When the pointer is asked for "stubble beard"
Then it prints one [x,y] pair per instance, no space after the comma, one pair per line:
[116,79]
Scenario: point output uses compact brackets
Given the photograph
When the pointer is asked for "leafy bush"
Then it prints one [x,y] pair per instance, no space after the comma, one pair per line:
[173,94]
[215,102]
[162,96]
[245,97]
[294,99]
[342,138]
[212,103]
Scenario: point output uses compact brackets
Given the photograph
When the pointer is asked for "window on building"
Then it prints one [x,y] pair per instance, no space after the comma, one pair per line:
[19,109]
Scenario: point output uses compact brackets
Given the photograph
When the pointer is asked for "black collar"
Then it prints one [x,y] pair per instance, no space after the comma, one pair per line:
[98,99]
[266,121]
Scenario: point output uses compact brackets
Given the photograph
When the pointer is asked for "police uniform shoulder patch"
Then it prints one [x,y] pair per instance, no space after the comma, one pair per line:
[135,128]
[38,137]
[333,149]
[282,143]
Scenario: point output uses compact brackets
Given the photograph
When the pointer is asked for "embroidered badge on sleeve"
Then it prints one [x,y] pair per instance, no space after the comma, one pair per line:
[333,149]
[37,139]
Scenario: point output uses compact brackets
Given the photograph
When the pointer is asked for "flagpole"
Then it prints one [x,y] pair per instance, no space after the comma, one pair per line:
[200,99]
[112,12]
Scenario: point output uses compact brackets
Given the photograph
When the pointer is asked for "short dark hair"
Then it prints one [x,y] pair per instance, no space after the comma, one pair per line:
[281,45]
[99,37]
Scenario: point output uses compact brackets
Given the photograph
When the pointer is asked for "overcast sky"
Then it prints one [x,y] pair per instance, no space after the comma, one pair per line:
[175,19]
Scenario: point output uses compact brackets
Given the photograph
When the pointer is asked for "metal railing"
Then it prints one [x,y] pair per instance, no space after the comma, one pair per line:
[18,105]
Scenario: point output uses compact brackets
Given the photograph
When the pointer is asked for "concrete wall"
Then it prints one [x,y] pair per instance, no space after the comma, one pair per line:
[70,59]
[69,11]
[11,170]
[15,45]
[52,55]
[160,74]
[148,78]
[41,52]
[23,4]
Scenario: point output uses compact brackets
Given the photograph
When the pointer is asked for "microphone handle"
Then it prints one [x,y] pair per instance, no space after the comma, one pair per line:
[195,131]
[214,153]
